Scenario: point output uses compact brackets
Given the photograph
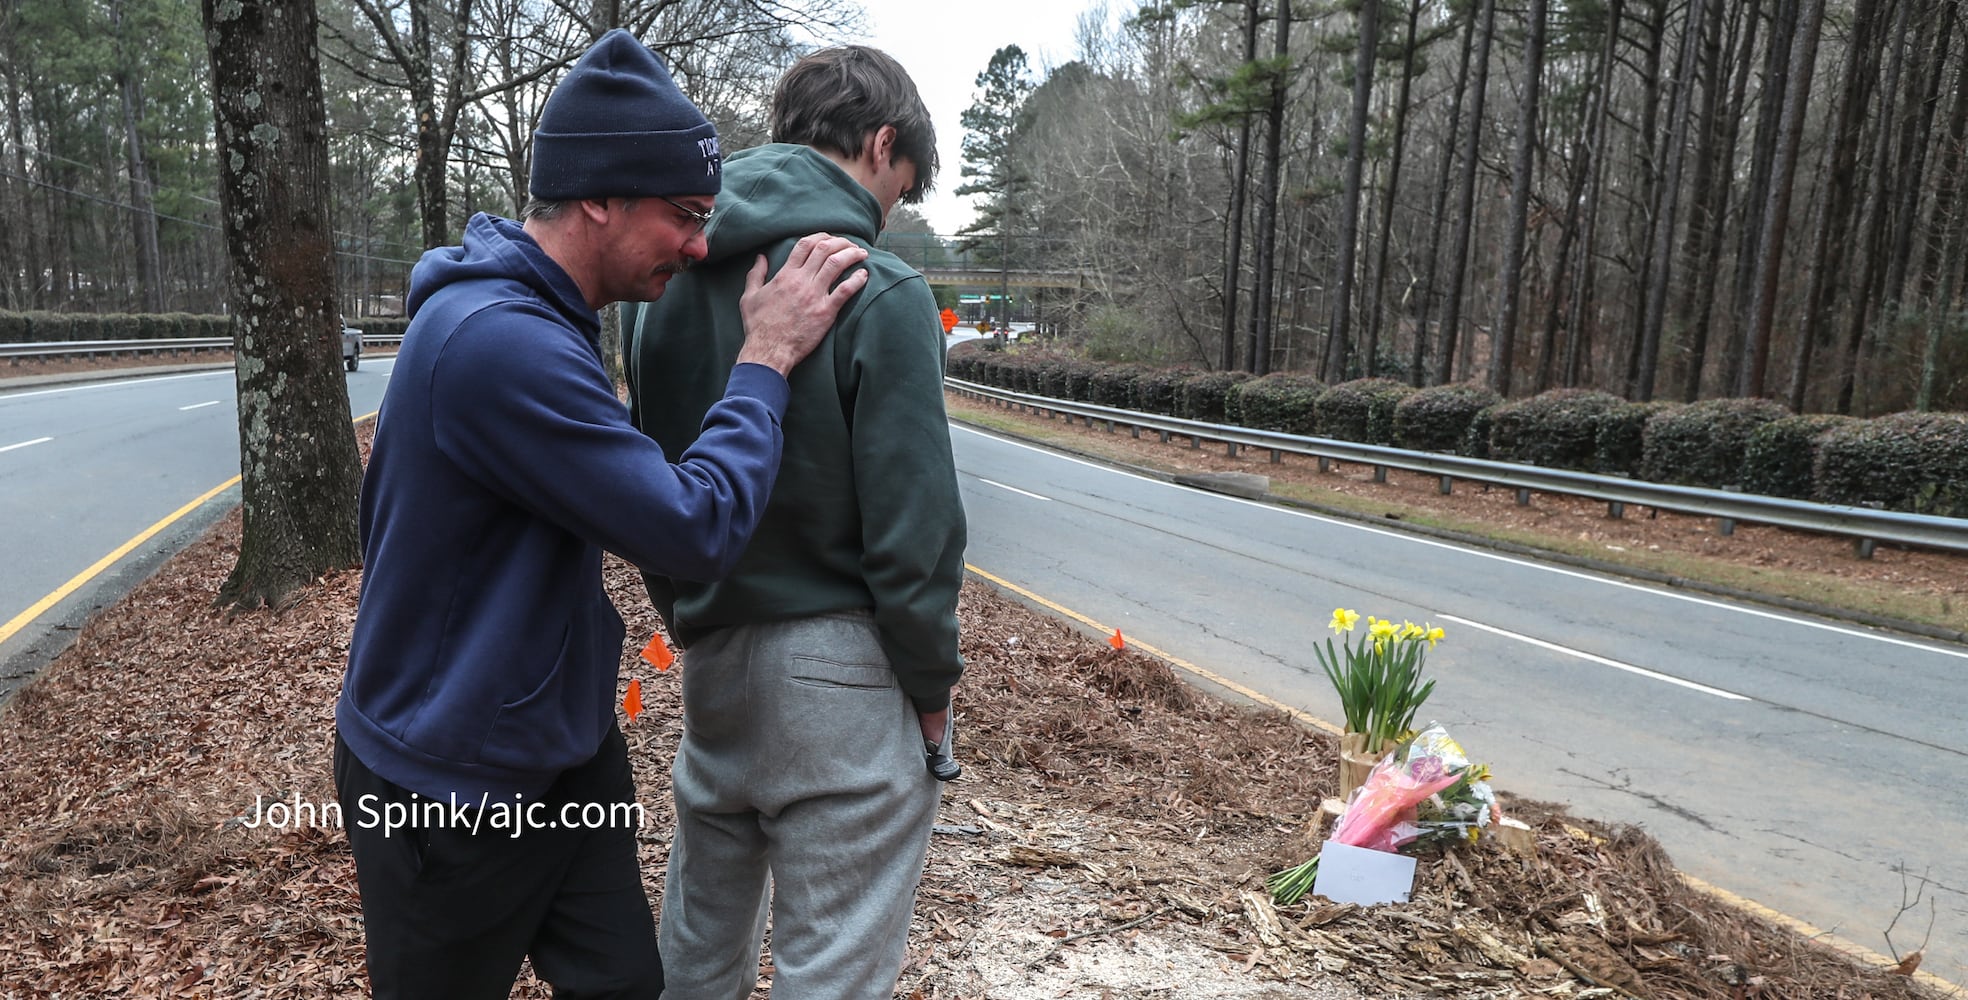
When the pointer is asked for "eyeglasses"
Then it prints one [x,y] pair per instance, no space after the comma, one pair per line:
[701,218]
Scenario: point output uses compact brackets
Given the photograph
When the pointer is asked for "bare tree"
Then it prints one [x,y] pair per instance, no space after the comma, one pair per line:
[1267,192]
[1776,216]
[1654,306]
[1466,201]
[298,460]
[1510,289]
[1338,338]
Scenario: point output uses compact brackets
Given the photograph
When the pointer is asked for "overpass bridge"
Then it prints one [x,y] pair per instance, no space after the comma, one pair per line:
[991,277]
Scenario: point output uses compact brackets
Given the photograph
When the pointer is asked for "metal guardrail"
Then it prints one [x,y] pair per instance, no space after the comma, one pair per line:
[68,347]
[94,347]
[1866,526]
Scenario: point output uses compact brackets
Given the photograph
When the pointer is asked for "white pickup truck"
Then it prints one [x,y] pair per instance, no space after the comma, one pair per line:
[351,346]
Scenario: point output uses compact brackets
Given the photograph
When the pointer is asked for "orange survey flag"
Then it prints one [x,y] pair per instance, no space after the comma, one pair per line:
[1117,642]
[658,652]
[632,702]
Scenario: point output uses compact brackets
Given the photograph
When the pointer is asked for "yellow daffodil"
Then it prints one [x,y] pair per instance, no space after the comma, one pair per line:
[1343,620]
[1409,630]
[1381,629]
[1433,635]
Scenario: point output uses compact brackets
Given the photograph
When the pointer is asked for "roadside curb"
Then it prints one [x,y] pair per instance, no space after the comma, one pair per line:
[1603,567]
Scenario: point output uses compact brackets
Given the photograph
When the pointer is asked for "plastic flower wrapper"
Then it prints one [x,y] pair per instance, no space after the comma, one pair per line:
[1382,814]
[1466,807]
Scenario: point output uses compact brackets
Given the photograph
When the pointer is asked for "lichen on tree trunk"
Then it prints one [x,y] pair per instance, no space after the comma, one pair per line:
[297,453]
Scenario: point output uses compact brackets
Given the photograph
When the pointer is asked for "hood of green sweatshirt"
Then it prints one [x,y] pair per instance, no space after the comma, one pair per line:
[784,191]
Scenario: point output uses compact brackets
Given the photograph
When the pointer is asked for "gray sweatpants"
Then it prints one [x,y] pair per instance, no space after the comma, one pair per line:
[801,760]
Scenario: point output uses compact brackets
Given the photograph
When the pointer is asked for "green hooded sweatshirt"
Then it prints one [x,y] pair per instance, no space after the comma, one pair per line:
[866,513]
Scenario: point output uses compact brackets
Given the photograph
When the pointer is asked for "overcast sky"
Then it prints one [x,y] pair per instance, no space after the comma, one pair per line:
[944,45]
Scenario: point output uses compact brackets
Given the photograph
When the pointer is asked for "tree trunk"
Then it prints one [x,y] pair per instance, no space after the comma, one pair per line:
[1770,242]
[1417,376]
[1670,202]
[1466,201]
[1338,339]
[1504,341]
[23,293]
[1651,170]
[1233,249]
[1712,210]
[1377,291]
[1941,315]
[1954,153]
[1756,198]
[1915,136]
[1828,239]
[1581,171]
[1577,340]
[1267,203]
[1879,211]
[143,217]
[298,459]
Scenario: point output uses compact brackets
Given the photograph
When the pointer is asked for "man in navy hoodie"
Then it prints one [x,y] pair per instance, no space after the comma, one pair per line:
[479,768]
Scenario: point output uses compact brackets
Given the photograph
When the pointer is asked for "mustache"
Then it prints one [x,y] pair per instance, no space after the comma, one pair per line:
[677,267]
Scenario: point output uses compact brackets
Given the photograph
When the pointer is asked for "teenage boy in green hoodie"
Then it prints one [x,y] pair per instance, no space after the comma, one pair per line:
[818,670]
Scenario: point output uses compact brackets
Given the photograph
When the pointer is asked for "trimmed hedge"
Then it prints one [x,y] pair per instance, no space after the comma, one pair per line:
[1204,396]
[1280,401]
[1702,444]
[1914,462]
[1437,418]
[1622,437]
[1161,391]
[1777,461]
[1558,429]
[1113,385]
[1361,410]
[1065,378]
[1476,443]
[960,362]
[50,327]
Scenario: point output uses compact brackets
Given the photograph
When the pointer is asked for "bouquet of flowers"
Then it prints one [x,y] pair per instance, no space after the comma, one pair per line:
[1426,791]
[1462,810]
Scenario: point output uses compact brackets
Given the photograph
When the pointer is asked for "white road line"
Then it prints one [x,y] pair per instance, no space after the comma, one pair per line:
[1615,664]
[1479,553]
[24,444]
[1014,489]
[200,406]
[227,372]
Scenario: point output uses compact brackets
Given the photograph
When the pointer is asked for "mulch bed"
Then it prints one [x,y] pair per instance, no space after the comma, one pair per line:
[1107,808]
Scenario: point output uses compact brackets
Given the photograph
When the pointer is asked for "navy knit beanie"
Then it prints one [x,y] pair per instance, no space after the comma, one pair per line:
[618,127]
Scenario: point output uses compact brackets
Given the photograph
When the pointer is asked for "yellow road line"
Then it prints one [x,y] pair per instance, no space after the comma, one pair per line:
[1750,906]
[1175,661]
[79,580]
[76,582]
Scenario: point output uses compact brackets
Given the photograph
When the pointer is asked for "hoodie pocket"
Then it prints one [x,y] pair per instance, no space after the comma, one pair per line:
[553,726]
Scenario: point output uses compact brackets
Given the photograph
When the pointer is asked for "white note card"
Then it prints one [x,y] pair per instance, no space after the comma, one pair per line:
[1358,875]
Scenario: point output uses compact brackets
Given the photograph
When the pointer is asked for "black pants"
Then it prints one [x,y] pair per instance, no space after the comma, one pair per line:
[449,913]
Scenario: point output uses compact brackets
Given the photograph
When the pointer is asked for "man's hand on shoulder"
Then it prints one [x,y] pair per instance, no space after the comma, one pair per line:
[786,318]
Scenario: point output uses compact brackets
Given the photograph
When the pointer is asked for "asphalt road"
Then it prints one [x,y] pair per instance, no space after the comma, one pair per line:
[1807,765]
[1802,764]
[86,467]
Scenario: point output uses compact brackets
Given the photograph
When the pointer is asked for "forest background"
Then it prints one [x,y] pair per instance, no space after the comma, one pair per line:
[1674,200]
